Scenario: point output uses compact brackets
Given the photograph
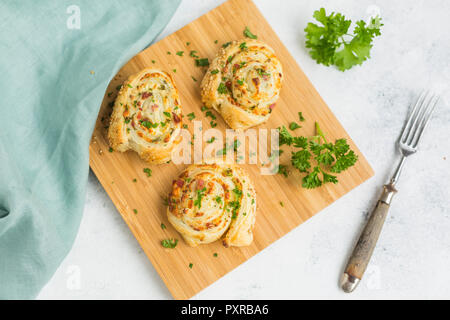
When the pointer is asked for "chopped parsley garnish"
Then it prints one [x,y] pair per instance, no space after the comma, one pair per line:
[110,149]
[204,108]
[222,89]
[191,265]
[249,34]
[135,211]
[211,140]
[134,180]
[148,124]
[213,124]
[240,82]
[293,126]
[204,62]
[148,172]
[174,70]
[163,226]
[129,85]
[218,200]
[167,114]
[191,116]
[226,44]
[243,46]
[281,203]
[215,71]
[200,194]
[168,52]
[300,116]
[216,41]
[185,126]
[188,43]
[169,243]
[195,80]
[153,61]
[193,54]
[215,255]
[211,115]
[180,53]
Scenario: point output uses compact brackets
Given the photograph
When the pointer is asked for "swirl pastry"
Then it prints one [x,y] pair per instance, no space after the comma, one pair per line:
[210,200]
[147,116]
[243,83]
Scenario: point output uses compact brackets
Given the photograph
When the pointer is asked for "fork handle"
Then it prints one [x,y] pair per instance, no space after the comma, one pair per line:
[363,250]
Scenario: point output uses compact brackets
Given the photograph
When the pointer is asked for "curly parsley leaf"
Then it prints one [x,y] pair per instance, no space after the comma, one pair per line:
[331,44]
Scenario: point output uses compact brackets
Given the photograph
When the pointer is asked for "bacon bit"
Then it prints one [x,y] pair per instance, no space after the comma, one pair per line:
[154,107]
[272,106]
[225,244]
[166,139]
[265,77]
[227,195]
[280,75]
[255,81]
[200,184]
[228,84]
[132,124]
[180,183]
[126,113]
[176,118]
[139,103]
[140,134]
[236,66]
[209,225]
[139,115]
[190,203]
[199,214]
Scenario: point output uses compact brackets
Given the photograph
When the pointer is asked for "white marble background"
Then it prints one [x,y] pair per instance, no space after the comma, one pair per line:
[412,259]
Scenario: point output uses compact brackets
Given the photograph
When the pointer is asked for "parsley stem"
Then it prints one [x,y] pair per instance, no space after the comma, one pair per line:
[320,132]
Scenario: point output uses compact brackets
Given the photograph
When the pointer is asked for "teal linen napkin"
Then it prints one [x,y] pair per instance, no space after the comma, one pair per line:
[56,60]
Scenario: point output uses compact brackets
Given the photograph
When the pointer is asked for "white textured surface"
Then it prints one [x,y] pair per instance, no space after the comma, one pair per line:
[412,259]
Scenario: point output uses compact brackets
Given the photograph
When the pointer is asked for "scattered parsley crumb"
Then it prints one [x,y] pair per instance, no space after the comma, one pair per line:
[191,265]
[215,255]
[180,53]
[249,34]
[169,243]
[148,171]
[163,226]
[191,116]
[110,149]
[135,211]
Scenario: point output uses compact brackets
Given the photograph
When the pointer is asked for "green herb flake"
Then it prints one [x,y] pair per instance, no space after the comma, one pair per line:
[215,71]
[293,126]
[163,226]
[191,265]
[191,116]
[300,116]
[135,211]
[169,243]
[148,172]
[204,62]
[180,53]
[249,34]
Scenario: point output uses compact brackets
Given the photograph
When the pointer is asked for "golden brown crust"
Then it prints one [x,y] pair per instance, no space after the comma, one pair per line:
[209,201]
[147,116]
[243,83]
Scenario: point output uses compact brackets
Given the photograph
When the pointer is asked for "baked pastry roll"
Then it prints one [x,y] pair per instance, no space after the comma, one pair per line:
[211,200]
[243,83]
[147,116]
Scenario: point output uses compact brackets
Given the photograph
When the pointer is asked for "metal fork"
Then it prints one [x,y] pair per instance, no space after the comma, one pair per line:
[411,134]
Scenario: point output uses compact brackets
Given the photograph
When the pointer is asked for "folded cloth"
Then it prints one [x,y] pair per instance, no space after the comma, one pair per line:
[56,60]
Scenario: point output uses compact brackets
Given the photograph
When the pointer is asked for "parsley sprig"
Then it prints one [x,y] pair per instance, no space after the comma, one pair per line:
[331,44]
[328,157]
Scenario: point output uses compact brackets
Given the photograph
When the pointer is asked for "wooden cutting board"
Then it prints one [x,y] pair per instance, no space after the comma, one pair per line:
[117,171]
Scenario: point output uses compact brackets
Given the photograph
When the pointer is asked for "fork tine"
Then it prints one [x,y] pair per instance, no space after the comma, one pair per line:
[426,119]
[420,113]
[406,129]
